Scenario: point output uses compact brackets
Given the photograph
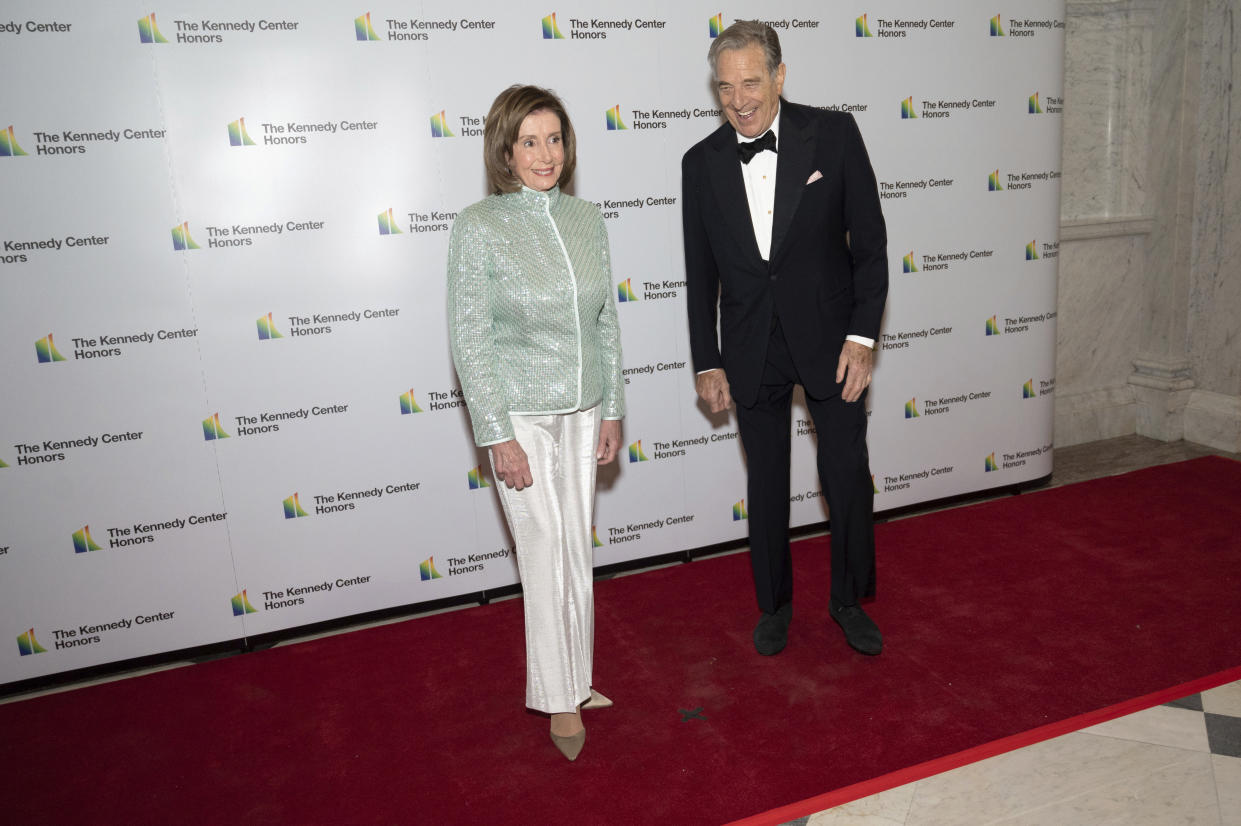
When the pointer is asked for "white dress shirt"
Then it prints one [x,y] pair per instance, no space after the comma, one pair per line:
[760,189]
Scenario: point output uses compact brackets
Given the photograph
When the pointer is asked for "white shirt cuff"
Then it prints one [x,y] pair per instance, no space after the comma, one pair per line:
[868,343]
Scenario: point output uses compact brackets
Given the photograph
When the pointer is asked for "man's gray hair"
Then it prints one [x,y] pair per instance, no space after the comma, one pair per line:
[741,35]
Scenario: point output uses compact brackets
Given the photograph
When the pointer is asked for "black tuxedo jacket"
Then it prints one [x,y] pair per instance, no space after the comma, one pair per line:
[827,276]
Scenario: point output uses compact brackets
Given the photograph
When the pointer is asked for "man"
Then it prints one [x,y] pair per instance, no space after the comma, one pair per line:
[783,232]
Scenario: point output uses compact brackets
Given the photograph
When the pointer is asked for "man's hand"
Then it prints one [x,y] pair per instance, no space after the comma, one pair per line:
[511,465]
[854,370]
[609,441]
[712,387]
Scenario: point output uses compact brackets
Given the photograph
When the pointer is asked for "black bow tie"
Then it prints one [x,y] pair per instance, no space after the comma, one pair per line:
[747,151]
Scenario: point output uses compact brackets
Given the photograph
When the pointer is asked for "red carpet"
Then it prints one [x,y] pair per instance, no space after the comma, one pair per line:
[999,618]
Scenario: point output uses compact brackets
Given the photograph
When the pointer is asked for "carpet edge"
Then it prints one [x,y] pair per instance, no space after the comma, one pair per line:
[939,765]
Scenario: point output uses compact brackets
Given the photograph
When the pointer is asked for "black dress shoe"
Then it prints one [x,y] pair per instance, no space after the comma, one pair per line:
[772,631]
[860,630]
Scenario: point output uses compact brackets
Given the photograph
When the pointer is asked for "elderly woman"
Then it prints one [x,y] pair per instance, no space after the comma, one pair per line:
[537,348]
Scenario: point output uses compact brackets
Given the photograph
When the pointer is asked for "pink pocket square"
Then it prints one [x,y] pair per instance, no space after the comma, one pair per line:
[817,174]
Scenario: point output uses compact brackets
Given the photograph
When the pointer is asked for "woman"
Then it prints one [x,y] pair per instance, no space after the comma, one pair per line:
[537,348]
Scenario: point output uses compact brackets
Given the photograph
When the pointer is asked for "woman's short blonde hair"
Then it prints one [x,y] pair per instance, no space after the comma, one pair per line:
[503,124]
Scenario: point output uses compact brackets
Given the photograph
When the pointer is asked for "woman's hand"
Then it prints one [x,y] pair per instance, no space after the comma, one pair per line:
[511,465]
[609,441]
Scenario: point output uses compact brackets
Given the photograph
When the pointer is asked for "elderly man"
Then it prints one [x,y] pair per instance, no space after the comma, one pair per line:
[785,238]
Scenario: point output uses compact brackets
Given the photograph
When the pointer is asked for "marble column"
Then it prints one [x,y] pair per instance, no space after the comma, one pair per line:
[1213,415]
[1161,376]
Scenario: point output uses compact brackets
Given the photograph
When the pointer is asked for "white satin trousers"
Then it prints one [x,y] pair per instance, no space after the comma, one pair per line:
[551,525]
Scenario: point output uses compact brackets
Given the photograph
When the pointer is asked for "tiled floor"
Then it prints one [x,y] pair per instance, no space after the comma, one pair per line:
[1168,764]
[1176,763]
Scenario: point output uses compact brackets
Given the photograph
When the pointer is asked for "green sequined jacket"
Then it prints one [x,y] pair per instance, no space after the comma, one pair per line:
[530,310]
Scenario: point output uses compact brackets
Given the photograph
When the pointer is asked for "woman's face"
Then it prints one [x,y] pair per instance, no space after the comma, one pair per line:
[538,155]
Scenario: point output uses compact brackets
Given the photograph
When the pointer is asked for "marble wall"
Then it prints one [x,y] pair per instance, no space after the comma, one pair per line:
[1215,281]
[1150,293]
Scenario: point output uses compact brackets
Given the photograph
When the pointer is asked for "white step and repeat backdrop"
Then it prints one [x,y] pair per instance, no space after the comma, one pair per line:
[228,406]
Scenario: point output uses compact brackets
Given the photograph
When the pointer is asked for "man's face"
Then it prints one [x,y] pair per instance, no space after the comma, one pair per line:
[749,95]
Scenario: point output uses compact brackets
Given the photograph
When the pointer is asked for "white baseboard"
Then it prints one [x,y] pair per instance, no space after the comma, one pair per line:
[1214,420]
[1095,415]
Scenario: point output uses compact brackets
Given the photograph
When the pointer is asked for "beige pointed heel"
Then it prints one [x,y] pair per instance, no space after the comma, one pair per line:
[570,746]
[597,700]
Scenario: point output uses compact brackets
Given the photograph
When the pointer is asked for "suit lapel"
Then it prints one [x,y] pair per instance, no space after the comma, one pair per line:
[796,154]
[725,176]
